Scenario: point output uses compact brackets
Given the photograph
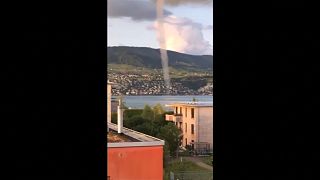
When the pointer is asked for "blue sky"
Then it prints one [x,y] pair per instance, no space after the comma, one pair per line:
[188,27]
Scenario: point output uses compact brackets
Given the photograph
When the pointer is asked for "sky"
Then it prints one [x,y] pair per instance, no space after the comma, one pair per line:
[188,25]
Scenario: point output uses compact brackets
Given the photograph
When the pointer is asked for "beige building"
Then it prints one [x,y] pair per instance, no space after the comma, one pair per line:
[195,119]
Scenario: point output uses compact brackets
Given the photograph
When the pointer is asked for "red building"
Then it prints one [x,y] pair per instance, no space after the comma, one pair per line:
[133,155]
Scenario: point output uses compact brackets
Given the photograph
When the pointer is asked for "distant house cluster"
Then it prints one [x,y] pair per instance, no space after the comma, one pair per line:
[145,84]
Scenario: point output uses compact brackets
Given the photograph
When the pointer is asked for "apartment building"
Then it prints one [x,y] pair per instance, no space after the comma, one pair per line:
[195,119]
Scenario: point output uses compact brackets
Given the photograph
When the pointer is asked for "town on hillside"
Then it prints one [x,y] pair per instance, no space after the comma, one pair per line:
[153,84]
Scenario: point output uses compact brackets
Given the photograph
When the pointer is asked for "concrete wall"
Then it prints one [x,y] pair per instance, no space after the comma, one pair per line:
[135,163]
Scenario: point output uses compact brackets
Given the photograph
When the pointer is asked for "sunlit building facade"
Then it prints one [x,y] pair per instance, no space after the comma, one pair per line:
[195,119]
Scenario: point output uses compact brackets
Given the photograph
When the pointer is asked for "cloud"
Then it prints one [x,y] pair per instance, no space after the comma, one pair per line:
[209,27]
[183,35]
[137,10]
[180,2]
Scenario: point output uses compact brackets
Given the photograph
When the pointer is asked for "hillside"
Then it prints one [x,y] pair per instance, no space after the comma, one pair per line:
[150,58]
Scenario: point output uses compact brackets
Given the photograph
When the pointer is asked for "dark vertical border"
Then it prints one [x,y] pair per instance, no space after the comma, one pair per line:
[54,81]
[266,96]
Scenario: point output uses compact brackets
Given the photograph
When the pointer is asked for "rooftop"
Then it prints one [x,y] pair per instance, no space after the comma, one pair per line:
[130,137]
[113,137]
[191,104]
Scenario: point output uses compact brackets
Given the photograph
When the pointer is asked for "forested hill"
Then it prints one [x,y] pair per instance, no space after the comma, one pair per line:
[150,58]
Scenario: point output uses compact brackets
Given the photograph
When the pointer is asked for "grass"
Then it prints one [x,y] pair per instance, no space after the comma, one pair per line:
[184,166]
[207,159]
[177,166]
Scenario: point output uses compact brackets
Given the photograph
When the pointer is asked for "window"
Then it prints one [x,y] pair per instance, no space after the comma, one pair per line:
[192,112]
[192,144]
[186,127]
[176,110]
[180,110]
[180,125]
[192,128]
[186,142]
[186,112]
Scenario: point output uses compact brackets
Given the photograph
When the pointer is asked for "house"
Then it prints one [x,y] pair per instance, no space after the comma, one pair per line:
[195,119]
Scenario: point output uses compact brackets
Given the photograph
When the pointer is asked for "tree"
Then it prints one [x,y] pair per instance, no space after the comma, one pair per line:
[134,121]
[114,118]
[147,113]
[128,113]
[160,120]
[158,109]
[146,128]
[172,136]
[166,154]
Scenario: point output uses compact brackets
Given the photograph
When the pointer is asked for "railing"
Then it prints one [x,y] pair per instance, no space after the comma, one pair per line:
[203,151]
[178,118]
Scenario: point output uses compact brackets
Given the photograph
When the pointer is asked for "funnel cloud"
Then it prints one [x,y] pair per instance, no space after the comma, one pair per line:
[162,43]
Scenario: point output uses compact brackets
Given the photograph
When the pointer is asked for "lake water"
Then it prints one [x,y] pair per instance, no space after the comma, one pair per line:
[138,102]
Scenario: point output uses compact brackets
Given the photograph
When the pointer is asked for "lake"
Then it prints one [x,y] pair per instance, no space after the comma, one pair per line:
[138,102]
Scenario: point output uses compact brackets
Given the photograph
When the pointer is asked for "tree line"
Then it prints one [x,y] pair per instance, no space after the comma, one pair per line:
[151,121]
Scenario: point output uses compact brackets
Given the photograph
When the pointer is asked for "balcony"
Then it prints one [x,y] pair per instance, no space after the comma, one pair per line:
[178,118]
[174,117]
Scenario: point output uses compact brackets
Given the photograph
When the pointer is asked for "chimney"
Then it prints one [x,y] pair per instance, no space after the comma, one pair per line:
[120,116]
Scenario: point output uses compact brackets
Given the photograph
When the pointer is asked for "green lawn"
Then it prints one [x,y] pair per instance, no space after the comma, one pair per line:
[207,160]
[177,166]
